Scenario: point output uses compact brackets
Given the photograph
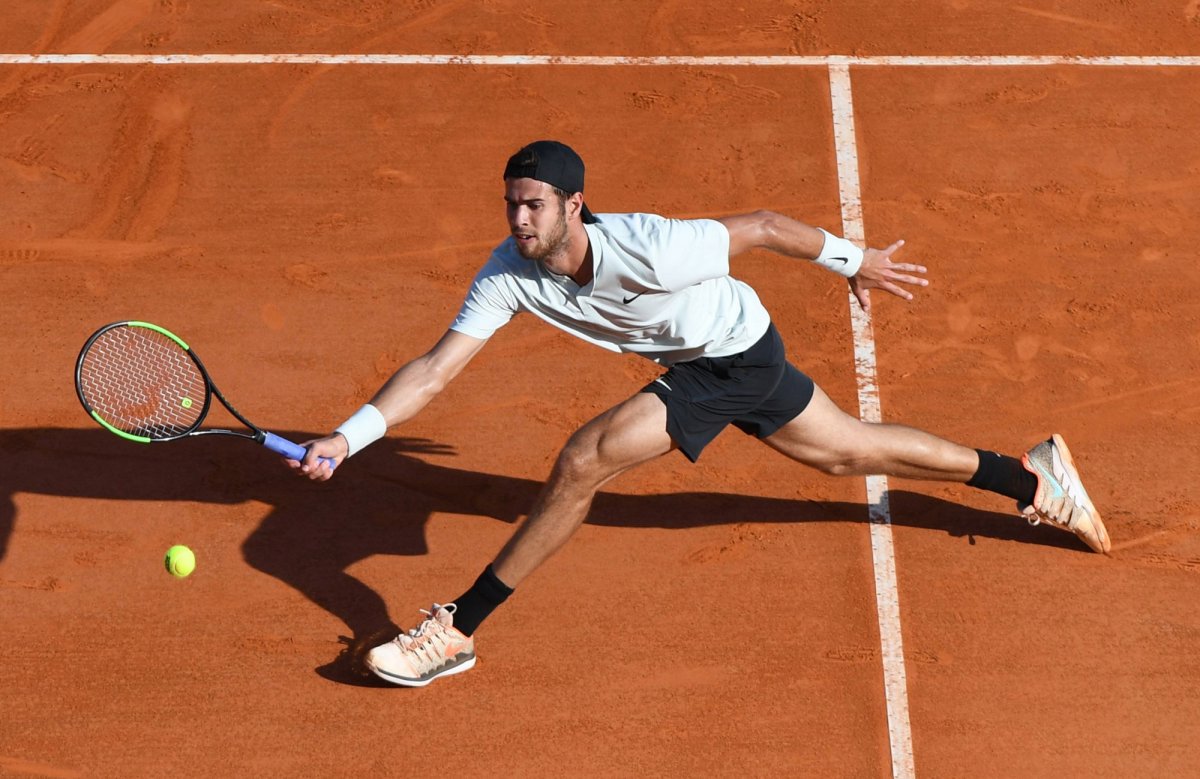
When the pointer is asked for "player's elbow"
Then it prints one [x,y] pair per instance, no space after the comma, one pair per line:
[441,364]
[434,376]
[770,226]
[437,371]
[755,230]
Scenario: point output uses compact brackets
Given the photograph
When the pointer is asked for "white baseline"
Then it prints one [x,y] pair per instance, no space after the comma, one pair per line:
[509,60]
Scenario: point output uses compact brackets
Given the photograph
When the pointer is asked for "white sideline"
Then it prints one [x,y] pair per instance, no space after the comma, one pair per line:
[486,60]
[887,599]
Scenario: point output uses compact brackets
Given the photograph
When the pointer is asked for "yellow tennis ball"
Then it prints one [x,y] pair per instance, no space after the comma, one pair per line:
[180,561]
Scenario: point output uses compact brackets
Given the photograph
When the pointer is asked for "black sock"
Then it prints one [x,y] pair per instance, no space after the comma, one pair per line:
[474,605]
[1004,475]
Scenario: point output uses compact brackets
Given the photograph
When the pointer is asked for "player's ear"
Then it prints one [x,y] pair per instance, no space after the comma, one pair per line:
[575,205]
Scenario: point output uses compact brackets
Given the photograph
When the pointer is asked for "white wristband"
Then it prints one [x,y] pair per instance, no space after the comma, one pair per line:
[839,255]
[364,428]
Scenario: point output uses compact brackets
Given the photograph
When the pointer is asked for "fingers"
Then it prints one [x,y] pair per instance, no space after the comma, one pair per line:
[863,296]
[322,457]
[318,472]
[320,462]
[904,279]
[880,272]
[899,292]
[315,468]
[888,281]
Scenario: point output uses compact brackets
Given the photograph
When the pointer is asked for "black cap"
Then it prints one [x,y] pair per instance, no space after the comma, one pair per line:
[555,163]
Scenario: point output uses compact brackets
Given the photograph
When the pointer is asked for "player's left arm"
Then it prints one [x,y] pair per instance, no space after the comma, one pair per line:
[865,269]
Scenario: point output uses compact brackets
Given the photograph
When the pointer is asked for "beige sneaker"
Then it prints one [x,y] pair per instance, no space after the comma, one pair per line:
[1061,499]
[432,649]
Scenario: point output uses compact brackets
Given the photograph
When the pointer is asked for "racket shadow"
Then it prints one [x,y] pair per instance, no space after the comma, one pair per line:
[314,533]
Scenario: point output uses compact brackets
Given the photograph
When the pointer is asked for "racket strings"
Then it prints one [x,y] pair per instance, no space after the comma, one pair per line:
[141,382]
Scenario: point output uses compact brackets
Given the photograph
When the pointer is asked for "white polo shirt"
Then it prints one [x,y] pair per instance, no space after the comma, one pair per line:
[661,288]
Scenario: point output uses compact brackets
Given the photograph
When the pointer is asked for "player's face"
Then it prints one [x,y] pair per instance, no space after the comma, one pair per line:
[537,219]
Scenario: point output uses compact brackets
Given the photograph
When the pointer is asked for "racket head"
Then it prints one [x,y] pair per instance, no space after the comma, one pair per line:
[142,382]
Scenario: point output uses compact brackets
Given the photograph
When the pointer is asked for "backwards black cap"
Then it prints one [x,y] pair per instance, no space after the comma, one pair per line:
[555,163]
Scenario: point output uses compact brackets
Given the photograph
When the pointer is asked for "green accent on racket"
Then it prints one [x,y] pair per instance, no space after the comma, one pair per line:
[162,330]
[141,439]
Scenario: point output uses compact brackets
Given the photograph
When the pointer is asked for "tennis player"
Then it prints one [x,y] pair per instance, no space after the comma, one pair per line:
[662,288]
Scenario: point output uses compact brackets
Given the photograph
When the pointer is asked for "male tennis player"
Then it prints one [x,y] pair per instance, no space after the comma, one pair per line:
[661,288]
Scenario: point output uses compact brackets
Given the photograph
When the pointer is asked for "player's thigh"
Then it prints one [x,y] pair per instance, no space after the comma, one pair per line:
[629,433]
[822,435]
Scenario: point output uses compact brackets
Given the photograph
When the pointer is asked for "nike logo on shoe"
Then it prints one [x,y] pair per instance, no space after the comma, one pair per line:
[629,300]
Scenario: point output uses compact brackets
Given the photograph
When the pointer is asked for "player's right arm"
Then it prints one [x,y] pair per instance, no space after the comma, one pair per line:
[412,387]
[400,398]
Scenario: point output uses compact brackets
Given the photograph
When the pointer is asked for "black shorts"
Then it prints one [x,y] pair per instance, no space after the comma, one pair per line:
[758,391]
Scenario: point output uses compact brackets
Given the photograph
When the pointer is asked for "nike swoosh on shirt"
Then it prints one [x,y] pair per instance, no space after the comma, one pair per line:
[629,300]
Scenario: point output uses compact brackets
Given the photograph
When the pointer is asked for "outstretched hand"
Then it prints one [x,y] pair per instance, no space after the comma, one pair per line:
[879,272]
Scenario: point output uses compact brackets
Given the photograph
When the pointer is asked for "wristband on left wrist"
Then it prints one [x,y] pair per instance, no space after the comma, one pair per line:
[839,255]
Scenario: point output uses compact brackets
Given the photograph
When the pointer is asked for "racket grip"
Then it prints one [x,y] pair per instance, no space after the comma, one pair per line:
[282,446]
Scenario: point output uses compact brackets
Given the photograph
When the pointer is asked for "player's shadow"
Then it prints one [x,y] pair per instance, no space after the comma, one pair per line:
[379,504]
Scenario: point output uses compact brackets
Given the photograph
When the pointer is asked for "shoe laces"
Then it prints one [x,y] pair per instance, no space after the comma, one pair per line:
[421,641]
[424,630]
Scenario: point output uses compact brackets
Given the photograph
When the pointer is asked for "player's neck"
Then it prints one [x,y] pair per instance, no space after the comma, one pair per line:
[586,270]
[574,257]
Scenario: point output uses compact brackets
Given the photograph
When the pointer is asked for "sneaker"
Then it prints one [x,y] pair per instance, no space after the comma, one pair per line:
[432,649]
[1061,499]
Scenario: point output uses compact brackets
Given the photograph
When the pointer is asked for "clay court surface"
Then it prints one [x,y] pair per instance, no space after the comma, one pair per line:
[309,228]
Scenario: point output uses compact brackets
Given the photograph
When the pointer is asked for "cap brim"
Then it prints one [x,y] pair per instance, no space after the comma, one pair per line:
[587,216]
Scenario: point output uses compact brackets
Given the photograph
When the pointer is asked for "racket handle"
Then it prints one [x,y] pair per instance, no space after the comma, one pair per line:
[282,446]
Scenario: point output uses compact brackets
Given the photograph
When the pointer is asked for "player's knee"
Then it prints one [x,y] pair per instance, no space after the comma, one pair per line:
[841,468]
[589,458]
[845,462]
[579,462]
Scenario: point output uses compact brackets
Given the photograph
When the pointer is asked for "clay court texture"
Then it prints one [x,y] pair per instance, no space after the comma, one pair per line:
[310,223]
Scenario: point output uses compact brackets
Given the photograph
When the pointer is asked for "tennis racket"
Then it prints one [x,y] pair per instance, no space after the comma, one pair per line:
[145,384]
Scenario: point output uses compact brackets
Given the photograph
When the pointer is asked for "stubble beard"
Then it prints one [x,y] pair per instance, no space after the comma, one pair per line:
[553,245]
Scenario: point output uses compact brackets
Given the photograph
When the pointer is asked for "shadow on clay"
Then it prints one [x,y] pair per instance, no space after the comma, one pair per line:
[315,532]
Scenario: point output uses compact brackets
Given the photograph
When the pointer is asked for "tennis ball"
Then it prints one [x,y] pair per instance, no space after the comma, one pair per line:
[180,561]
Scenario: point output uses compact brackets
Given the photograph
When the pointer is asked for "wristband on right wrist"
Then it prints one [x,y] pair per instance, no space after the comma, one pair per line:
[363,428]
[839,255]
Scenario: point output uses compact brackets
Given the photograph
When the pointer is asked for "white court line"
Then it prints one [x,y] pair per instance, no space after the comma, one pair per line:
[887,599]
[492,60]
